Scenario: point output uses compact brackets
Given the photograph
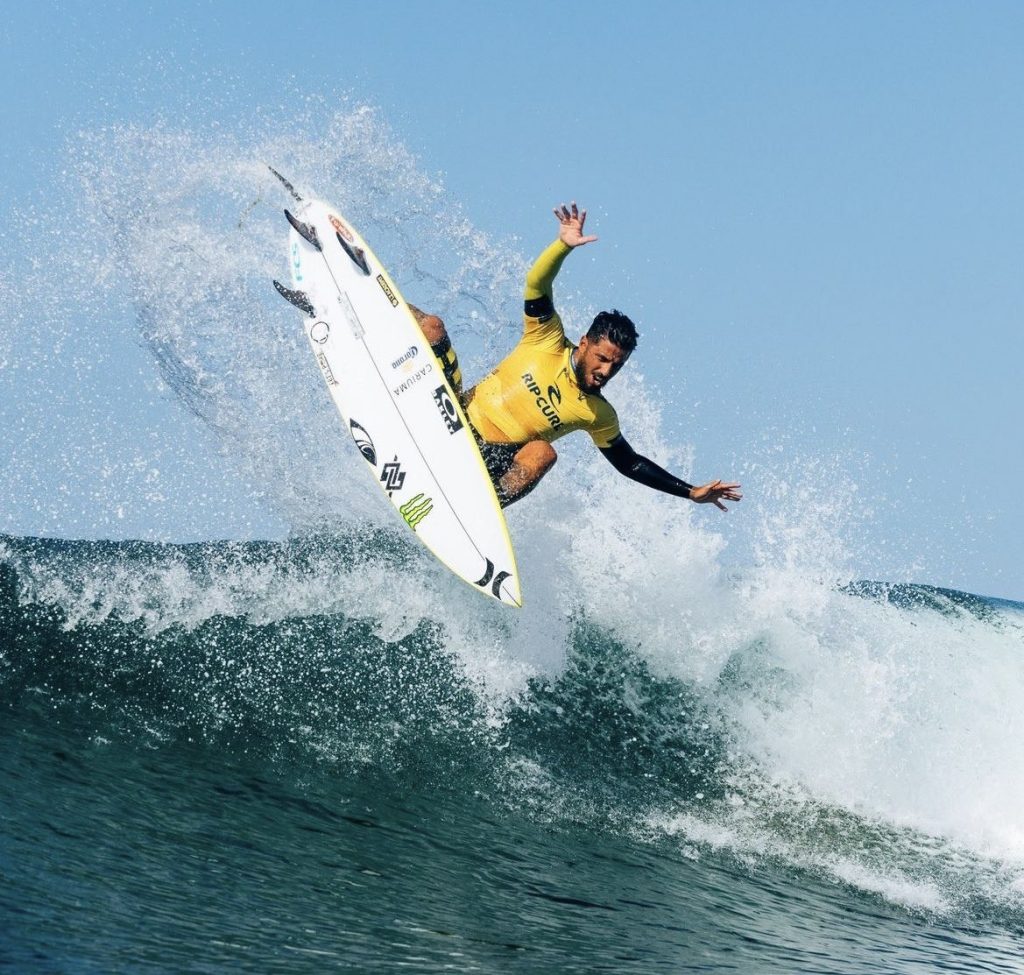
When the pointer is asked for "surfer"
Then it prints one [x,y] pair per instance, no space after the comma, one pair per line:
[548,387]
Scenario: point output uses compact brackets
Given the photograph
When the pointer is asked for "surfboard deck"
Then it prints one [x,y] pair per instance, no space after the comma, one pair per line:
[394,399]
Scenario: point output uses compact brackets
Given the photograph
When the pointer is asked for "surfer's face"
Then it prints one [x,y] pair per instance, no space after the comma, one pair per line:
[597,362]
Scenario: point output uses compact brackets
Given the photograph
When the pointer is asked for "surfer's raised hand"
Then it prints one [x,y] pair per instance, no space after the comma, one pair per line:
[570,225]
[714,492]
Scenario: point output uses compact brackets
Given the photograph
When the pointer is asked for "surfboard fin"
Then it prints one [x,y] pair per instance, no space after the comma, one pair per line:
[305,230]
[356,253]
[298,298]
[288,186]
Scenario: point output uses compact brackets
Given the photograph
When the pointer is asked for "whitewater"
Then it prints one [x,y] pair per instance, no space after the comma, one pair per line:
[320,751]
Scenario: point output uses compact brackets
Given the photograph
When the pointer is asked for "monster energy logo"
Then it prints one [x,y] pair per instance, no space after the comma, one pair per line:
[416,509]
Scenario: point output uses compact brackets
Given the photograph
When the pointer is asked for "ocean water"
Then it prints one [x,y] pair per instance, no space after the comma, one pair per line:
[208,764]
[321,752]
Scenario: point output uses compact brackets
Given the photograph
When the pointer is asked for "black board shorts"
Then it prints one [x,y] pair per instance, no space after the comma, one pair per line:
[498,458]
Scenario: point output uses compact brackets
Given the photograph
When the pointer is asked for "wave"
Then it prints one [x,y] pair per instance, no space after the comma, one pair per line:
[873,765]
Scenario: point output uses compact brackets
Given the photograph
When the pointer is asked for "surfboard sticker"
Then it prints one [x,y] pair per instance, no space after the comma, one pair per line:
[402,413]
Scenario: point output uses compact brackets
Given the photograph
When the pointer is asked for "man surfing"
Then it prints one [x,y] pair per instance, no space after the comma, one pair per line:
[548,387]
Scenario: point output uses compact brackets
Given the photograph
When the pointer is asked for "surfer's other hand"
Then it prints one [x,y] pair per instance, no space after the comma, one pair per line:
[714,492]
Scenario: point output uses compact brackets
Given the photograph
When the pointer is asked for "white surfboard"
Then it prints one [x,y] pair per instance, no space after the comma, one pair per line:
[395,401]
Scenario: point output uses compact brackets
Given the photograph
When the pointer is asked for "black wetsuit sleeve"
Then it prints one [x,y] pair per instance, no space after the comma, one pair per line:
[542,307]
[628,462]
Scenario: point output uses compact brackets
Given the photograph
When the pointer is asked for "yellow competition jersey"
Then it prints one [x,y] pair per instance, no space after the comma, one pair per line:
[534,395]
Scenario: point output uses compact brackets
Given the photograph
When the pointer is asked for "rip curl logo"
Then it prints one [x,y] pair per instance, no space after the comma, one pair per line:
[416,509]
[392,476]
[447,409]
[385,287]
[544,402]
[363,441]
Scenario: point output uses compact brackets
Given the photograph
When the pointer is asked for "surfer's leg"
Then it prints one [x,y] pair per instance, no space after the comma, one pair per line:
[530,464]
[445,354]
[437,335]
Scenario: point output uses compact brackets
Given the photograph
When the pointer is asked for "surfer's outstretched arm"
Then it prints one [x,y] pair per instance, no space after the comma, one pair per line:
[540,278]
[639,468]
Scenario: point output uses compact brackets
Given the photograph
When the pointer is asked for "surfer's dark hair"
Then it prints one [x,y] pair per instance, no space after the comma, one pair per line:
[615,327]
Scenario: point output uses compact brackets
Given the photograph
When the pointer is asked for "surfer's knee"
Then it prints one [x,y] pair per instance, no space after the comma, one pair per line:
[529,465]
[538,457]
[545,454]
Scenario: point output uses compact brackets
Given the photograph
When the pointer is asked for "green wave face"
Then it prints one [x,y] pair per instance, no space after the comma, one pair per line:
[283,654]
[316,687]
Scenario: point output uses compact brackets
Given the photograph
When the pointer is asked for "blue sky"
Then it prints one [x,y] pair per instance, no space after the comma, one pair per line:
[813,210]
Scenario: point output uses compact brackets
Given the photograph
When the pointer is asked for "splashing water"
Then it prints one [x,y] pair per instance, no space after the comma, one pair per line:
[873,740]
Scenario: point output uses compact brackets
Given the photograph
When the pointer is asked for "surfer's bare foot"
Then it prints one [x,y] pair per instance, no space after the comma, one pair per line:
[430,325]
